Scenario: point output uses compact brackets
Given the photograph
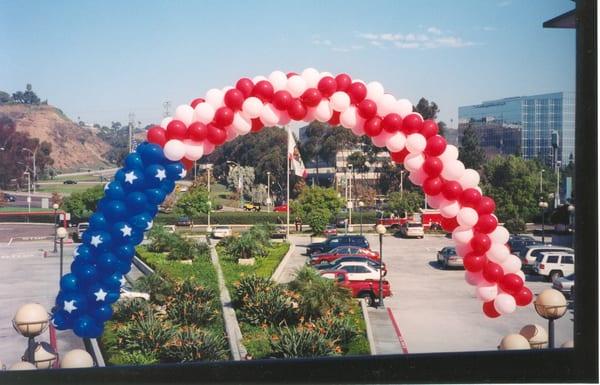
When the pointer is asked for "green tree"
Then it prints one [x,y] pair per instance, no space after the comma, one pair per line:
[27,97]
[358,160]
[193,203]
[318,219]
[5,97]
[407,202]
[427,109]
[246,173]
[324,201]
[471,153]
[82,204]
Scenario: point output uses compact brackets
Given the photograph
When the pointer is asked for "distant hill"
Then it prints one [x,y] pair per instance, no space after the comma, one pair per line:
[73,147]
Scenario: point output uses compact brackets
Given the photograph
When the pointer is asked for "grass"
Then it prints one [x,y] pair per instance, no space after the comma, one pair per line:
[20,209]
[66,189]
[359,344]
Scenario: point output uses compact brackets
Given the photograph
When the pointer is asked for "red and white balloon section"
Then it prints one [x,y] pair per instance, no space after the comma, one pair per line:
[223,114]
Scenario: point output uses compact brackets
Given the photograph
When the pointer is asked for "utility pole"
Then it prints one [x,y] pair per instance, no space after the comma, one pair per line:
[130,128]
[166,106]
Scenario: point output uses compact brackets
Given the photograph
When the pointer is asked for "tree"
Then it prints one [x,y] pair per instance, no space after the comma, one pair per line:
[117,136]
[5,97]
[82,204]
[193,203]
[247,177]
[27,97]
[407,202]
[427,109]
[471,153]
[324,201]
[358,160]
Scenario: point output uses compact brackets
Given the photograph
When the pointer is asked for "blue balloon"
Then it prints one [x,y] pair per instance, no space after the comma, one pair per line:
[125,252]
[97,240]
[62,320]
[141,221]
[151,153]
[84,253]
[97,293]
[123,232]
[133,180]
[136,202]
[86,273]
[175,171]
[152,210]
[74,303]
[155,196]
[114,190]
[115,210]
[101,204]
[101,312]
[167,186]
[154,175]
[123,267]
[107,263]
[98,221]
[113,281]
[119,176]
[137,238]
[86,327]
[69,282]
[134,160]
[113,296]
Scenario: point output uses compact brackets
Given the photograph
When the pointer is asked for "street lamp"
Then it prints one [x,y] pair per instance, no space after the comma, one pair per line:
[514,342]
[536,335]
[209,169]
[361,205]
[401,183]
[55,208]
[77,358]
[30,321]
[269,191]
[380,229]
[33,154]
[62,233]
[571,209]
[44,355]
[551,305]
[543,206]
[28,190]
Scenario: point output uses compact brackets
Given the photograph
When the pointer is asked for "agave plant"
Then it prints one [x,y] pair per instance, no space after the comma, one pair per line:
[148,335]
[131,309]
[191,304]
[158,287]
[302,341]
[192,344]
[338,329]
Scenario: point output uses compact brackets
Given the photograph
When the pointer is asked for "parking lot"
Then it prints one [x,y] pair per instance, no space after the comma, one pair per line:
[436,310]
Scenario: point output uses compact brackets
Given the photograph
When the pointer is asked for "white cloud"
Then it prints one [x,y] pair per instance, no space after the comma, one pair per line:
[453,42]
[369,36]
[434,30]
[434,38]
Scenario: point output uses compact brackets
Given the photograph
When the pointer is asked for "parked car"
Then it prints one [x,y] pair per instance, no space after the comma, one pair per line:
[81,228]
[565,285]
[280,208]
[343,251]
[9,198]
[252,206]
[530,253]
[447,257]
[183,221]
[279,232]
[369,290]
[333,242]
[221,232]
[70,181]
[554,265]
[358,271]
[340,262]
[517,243]
[412,229]
[330,230]
[129,294]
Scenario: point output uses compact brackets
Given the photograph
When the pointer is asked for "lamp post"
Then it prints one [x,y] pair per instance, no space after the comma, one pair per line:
[240,182]
[209,170]
[361,205]
[28,190]
[550,304]
[62,233]
[77,358]
[380,229]
[269,191]
[55,208]
[30,321]
[571,209]
[33,154]
[543,206]
[401,183]
[541,180]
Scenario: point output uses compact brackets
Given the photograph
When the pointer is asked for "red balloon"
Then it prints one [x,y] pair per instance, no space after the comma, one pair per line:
[511,283]
[215,135]
[489,310]
[296,110]
[470,198]
[188,164]
[523,297]
[234,99]
[223,117]
[412,123]
[290,74]
[176,130]
[342,82]
[245,85]
[392,122]
[432,186]
[373,126]
[486,205]
[433,166]
[327,85]
[197,131]
[196,101]
[435,145]
[335,119]
[486,223]
[367,109]
[449,224]
[157,135]
[480,243]
[311,97]
[399,156]
[357,92]
[263,90]
[257,125]
[282,100]
[492,272]
[451,190]
[474,262]
[430,128]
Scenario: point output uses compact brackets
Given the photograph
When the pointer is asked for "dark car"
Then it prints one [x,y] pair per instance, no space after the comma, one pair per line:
[183,221]
[70,181]
[340,240]
[9,198]
[517,243]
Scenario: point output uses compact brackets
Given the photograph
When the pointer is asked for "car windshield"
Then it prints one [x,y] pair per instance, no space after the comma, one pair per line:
[414,225]
[451,251]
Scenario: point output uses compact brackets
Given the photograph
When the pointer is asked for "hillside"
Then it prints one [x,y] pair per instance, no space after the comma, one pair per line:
[73,147]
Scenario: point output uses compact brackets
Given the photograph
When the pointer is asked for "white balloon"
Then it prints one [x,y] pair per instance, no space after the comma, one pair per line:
[359,128]
[359,81]
[204,113]
[453,170]
[449,209]
[462,234]
[467,217]
[512,264]
[386,105]
[505,303]
[311,76]
[435,200]
[325,74]
[472,278]
[418,177]
[193,150]
[340,101]
[381,139]
[241,124]
[174,149]
[416,143]
[214,97]
[311,112]
[296,86]
[165,122]
[252,107]
[185,113]
[499,235]
[374,91]
[258,78]
[395,142]
[349,117]
[323,112]
[469,179]
[268,115]
[486,291]
[479,189]
[497,253]
[413,161]
[225,89]
[449,154]
[403,107]
[278,79]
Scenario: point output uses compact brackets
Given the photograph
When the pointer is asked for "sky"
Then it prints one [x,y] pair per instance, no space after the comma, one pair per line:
[98,61]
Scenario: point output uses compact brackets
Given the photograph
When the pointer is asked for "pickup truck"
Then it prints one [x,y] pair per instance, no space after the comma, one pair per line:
[367,289]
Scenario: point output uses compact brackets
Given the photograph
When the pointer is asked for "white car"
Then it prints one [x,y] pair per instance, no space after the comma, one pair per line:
[530,253]
[221,232]
[412,229]
[360,271]
[554,265]
[81,228]
[128,294]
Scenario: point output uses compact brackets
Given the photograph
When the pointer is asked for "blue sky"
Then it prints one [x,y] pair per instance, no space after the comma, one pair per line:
[100,60]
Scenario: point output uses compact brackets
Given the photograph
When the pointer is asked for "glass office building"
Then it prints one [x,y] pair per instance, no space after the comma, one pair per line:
[524,125]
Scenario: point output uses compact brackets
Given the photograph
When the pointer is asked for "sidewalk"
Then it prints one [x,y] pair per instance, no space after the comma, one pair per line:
[386,334]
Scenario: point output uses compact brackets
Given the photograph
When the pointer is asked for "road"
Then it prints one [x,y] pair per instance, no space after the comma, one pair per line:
[16,231]
[436,310]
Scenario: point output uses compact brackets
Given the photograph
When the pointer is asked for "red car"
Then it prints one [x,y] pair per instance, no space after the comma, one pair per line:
[343,251]
[330,230]
[367,289]
[280,209]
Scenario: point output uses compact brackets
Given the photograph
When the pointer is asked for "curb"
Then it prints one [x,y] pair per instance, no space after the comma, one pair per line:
[365,311]
[276,276]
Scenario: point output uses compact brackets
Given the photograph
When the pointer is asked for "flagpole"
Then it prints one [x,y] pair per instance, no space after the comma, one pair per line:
[287,228]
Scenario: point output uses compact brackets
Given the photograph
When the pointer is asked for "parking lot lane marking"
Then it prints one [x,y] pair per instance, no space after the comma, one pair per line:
[10,241]
[398,333]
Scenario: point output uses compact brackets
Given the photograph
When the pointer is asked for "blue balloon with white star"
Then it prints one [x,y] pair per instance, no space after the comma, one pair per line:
[155,196]
[134,160]
[96,292]
[69,282]
[114,190]
[61,320]
[98,221]
[84,253]
[154,175]
[113,281]
[97,240]
[136,202]
[133,180]
[115,210]
[122,232]
[175,171]
[73,303]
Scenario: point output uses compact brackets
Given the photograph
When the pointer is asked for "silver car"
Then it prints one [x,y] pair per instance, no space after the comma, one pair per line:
[565,284]
[447,257]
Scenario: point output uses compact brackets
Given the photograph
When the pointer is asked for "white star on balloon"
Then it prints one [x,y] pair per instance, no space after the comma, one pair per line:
[130,177]
[70,306]
[183,173]
[96,240]
[106,186]
[76,253]
[126,230]
[53,323]
[160,174]
[100,295]
[149,225]
[123,280]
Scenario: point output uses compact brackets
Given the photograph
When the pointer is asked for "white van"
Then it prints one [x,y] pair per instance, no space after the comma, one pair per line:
[81,228]
[412,229]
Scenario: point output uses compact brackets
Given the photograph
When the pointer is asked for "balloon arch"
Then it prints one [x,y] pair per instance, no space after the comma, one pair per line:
[131,199]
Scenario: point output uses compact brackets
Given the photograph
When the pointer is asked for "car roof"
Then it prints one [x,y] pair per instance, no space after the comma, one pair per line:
[556,253]
[531,247]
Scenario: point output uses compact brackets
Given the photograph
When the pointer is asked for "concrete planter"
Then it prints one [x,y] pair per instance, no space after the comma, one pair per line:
[246,261]
[187,261]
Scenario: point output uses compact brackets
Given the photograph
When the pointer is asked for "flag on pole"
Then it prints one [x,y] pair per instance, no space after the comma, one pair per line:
[294,156]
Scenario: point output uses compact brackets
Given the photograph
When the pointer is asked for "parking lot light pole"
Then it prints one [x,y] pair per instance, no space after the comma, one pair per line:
[380,230]
[209,169]
[62,233]
[55,207]
[571,209]
[28,192]
[543,206]
[550,304]
[361,205]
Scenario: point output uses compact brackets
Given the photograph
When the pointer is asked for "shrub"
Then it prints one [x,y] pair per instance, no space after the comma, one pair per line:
[289,342]
[132,309]
[192,344]
[245,246]
[158,287]
[249,286]
[338,329]
[134,358]
[161,239]
[317,219]
[261,301]
[182,249]
[148,335]
[515,225]
[191,304]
